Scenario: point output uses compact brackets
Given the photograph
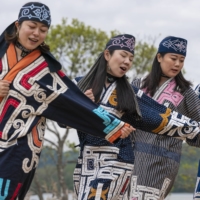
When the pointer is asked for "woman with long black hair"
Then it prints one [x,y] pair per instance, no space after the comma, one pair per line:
[157,157]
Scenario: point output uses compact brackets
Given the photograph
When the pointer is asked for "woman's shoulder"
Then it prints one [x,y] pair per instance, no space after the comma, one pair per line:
[197,90]
[191,91]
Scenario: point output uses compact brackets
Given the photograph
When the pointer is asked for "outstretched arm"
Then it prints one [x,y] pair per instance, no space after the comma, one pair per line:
[157,118]
[59,99]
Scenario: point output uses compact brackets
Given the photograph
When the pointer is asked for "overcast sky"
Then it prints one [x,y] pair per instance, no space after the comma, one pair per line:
[141,18]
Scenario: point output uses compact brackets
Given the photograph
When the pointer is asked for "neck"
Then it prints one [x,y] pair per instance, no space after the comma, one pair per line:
[110,78]
[165,76]
[163,80]
[22,49]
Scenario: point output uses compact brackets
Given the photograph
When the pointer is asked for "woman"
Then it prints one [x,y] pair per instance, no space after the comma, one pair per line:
[104,170]
[196,193]
[32,88]
[157,157]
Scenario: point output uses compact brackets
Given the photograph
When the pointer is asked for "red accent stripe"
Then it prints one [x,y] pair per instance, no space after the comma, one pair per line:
[16,191]
[125,185]
[1,66]
[9,102]
[26,77]
[61,73]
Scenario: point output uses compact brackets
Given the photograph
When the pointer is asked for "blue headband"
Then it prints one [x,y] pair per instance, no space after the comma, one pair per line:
[173,44]
[122,42]
[35,11]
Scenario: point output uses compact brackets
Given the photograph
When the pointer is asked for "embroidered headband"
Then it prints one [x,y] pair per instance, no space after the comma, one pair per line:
[122,42]
[173,44]
[35,11]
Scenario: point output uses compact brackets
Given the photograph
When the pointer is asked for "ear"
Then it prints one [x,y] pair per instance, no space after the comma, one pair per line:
[17,25]
[159,57]
[107,55]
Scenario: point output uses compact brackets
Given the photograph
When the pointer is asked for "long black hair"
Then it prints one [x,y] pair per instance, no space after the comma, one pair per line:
[95,79]
[151,81]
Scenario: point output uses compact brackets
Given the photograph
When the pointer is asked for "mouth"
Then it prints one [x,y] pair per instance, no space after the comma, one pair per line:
[123,69]
[33,40]
[175,70]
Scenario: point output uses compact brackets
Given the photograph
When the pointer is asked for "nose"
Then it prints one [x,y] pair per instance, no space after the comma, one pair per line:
[127,61]
[36,31]
[177,63]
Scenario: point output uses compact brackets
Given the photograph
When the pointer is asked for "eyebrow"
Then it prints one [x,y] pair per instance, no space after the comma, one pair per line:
[127,53]
[36,23]
[177,55]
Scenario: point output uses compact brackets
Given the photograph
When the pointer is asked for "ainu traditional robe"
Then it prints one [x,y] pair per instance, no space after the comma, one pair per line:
[197,187]
[35,94]
[104,170]
[157,157]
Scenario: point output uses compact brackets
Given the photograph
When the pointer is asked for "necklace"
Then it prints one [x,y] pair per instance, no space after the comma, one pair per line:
[163,75]
[111,78]
[24,50]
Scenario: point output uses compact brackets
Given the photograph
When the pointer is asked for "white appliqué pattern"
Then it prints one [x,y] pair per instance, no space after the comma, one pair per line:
[140,192]
[123,42]
[39,12]
[177,45]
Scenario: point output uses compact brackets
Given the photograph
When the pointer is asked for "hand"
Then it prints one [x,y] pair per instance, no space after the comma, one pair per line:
[89,94]
[4,88]
[126,131]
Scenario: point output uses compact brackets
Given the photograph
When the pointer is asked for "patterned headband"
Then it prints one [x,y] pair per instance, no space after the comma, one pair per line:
[173,44]
[35,11]
[122,42]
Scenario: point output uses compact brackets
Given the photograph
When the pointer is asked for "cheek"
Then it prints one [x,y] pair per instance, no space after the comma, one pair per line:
[166,64]
[119,60]
[24,33]
[43,36]
[181,67]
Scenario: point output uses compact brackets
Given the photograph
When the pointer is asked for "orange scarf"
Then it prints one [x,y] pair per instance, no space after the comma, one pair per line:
[14,65]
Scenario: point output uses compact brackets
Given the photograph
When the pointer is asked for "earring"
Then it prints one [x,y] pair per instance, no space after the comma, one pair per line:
[43,44]
[17,33]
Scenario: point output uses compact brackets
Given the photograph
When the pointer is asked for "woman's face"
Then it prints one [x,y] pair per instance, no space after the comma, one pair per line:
[31,34]
[119,62]
[171,63]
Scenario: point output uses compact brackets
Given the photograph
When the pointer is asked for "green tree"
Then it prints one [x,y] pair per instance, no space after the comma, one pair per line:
[186,178]
[76,45]
[145,52]
[55,175]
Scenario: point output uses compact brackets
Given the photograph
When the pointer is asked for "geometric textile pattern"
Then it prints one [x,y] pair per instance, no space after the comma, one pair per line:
[36,94]
[140,192]
[177,45]
[102,175]
[157,157]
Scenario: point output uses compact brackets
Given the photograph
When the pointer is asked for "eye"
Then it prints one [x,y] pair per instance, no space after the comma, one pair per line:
[123,55]
[31,27]
[43,31]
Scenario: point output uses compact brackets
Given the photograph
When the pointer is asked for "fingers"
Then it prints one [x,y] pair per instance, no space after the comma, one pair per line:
[126,131]
[4,88]
[89,94]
